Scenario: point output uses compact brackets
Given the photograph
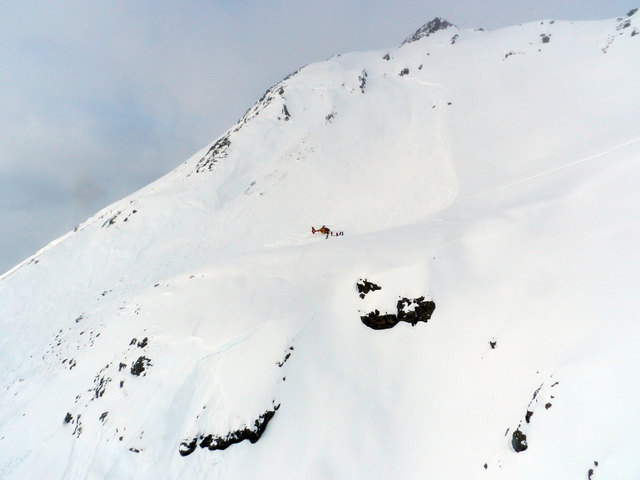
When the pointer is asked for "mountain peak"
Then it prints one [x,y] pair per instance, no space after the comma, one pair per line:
[429,28]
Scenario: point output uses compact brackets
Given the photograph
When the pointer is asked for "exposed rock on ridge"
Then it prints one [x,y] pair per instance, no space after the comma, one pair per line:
[429,28]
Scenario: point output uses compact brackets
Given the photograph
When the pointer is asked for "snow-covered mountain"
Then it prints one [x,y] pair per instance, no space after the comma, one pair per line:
[477,318]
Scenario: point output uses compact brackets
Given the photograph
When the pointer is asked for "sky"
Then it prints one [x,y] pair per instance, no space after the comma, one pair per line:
[98,99]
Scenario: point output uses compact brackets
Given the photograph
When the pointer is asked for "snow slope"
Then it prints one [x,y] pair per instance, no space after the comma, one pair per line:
[493,173]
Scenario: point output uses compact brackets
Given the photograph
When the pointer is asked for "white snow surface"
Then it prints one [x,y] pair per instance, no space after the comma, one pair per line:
[498,178]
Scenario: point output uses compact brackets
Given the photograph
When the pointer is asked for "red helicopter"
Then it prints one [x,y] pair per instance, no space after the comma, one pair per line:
[324,230]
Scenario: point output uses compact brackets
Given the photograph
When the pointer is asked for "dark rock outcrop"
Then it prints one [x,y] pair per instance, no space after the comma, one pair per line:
[428,29]
[216,442]
[421,312]
[140,365]
[519,441]
[379,322]
[362,78]
[364,286]
[218,151]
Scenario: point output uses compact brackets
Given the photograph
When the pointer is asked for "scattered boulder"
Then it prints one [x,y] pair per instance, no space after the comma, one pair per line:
[331,116]
[140,365]
[519,441]
[422,311]
[623,25]
[519,438]
[362,78]
[528,415]
[286,357]
[511,53]
[100,385]
[78,430]
[187,448]
[365,286]
[110,221]
[285,112]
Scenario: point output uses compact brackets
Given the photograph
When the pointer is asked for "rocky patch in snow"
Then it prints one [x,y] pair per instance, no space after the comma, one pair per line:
[519,437]
[610,40]
[410,311]
[140,365]
[101,381]
[428,29]
[621,26]
[510,54]
[220,148]
[519,441]
[269,96]
[218,442]
[112,220]
[364,286]
[286,357]
[362,78]
[286,116]
[217,152]
[71,342]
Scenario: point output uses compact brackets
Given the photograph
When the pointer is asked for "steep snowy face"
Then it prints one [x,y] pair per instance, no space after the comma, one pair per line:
[475,320]
[324,137]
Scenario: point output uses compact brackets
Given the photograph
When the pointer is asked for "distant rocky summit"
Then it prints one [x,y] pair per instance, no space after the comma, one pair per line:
[429,28]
